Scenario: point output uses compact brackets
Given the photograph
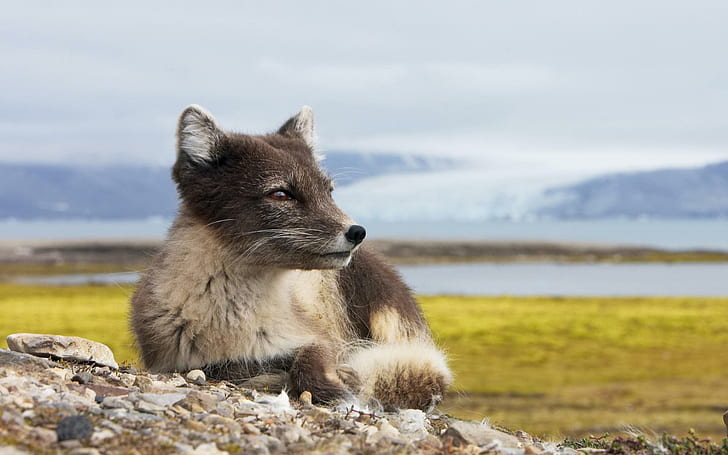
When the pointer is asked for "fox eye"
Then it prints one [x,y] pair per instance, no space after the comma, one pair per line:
[280,195]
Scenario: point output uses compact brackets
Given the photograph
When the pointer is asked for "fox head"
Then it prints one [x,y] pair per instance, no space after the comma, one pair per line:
[265,196]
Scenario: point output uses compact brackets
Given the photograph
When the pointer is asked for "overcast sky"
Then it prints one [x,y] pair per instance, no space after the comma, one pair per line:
[567,84]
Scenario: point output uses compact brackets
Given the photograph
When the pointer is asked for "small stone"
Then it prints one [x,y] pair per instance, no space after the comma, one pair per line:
[85,451]
[316,414]
[246,408]
[305,397]
[412,422]
[70,444]
[151,408]
[74,427]
[107,390]
[162,399]
[532,450]
[17,359]
[175,380]
[127,380]
[83,377]
[101,435]
[116,403]
[480,434]
[225,409]
[128,369]
[208,449]
[181,447]
[44,435]
[62,373]
[197,377]
[195,425]
[385,431]
[230,424]
[198,401]
[144,383]
[249,428]
[118,429]
[289,433]
[68,348]
[180,411]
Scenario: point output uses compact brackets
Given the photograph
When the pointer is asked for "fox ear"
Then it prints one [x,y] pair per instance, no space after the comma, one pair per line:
[198,136]
[301,125]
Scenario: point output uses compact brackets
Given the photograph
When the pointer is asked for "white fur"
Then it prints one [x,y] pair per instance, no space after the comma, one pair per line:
[198,133]
[304,125]
[293,307]
[388,326]
[373,362]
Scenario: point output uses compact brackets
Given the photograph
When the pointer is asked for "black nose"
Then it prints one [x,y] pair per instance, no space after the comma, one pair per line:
[356,234]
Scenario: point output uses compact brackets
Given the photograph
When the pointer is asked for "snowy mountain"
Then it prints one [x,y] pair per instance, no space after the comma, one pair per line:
[491,194]
[670,193]
[388,187]
[35,191]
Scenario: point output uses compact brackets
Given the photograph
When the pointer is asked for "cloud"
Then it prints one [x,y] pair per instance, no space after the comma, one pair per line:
[618,82]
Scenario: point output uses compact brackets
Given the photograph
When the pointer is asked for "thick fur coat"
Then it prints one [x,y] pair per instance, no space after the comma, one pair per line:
[264,279]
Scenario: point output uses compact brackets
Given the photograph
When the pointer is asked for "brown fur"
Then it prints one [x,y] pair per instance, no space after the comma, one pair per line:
[253,280]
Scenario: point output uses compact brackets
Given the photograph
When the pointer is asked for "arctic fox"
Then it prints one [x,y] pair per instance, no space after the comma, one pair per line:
[262,273]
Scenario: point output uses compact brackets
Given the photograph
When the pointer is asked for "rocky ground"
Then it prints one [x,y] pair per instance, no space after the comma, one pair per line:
[69,397]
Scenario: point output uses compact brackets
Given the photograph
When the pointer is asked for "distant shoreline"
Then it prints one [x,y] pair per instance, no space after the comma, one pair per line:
[116,255]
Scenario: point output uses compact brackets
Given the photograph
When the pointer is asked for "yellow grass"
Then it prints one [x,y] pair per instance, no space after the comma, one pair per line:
[574,366]
[550,366]
[95,312]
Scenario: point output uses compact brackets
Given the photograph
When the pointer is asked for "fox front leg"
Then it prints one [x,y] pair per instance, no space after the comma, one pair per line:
[314,369]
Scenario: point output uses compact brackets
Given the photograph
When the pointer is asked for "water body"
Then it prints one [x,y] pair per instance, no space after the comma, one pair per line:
[670,234]
[710,279]
[524,279]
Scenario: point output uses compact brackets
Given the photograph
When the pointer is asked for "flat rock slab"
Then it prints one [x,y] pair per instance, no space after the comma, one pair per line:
[481,435]
[74,349]
[18,359]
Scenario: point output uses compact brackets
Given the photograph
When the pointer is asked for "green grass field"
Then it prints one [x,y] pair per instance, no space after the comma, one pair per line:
[550,366]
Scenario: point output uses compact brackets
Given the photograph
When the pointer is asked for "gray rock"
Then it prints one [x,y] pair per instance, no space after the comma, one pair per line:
[256,445]
[481,435]
[306,397]
[145,384]
[197,377]
[68,348]
[117,403]
[249,428]
[230,424]
[84,377]
[412,423]
[74,427]
[10,358]
[151,408]
[208,449]
[384,432]
[85,451]
[198,401]
[44,435]
[225,409]
[181,447]
[12,451]
[70,444]
[290,434]
[162,399]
